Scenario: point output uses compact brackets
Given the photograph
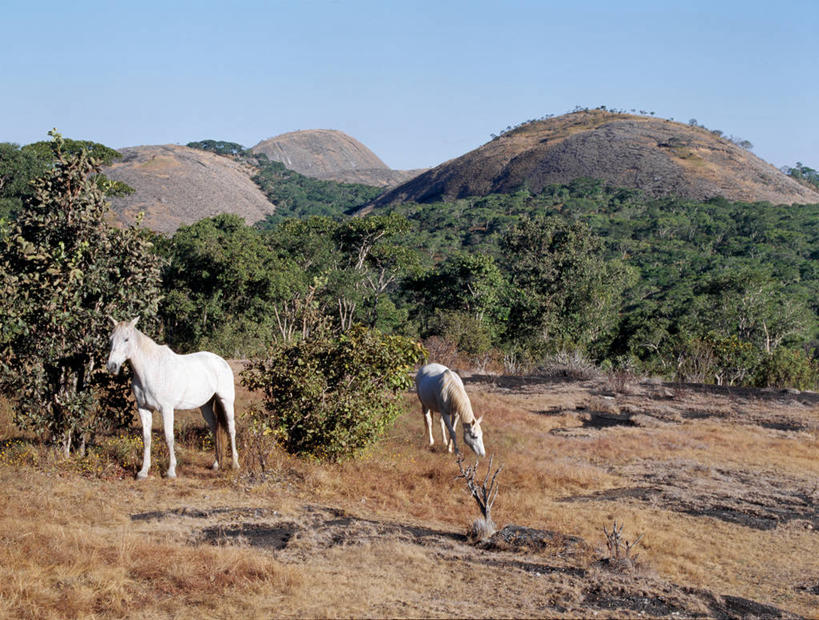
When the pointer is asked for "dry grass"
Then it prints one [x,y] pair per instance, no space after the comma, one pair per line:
[70,547]
[67,550]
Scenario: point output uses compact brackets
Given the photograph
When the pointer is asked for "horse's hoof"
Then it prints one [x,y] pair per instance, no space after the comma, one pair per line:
[171,474]
[142,476]
[215,466]
[236,466]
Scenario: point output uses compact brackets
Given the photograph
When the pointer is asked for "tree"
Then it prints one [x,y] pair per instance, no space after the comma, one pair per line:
[472,283]
[223,280]
[464,300]
[220,147]
[752,305]
[19,166]
[63,270]
[566,293]
[804,174]
[375,262]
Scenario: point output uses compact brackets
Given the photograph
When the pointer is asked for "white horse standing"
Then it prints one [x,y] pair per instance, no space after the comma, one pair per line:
[439,389]
[164,381]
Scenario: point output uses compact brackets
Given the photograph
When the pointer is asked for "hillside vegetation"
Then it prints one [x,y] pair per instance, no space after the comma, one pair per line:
[712,292]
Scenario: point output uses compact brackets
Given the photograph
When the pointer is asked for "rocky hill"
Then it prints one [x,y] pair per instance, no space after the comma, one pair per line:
[177,185]
[658,156]
[333,156]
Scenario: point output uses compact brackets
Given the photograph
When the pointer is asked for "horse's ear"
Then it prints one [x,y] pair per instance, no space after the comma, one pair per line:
[133,322]
[113,320]
[479,420]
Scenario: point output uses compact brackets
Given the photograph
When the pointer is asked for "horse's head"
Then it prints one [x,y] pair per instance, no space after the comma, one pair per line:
[473,436]
[123,341]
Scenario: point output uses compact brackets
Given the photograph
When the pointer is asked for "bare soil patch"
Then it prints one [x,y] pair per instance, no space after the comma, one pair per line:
[755,499]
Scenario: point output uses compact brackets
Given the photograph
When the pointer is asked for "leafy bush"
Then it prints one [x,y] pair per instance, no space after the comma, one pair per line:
[331,395]
[787,368]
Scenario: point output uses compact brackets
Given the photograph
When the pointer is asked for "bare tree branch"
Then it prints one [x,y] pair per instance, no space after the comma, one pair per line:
[485,495]
[620,549]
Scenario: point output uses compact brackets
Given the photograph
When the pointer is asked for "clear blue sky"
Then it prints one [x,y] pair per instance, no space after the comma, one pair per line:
[417,82]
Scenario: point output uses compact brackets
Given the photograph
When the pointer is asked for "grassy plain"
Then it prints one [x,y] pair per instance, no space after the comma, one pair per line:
[723,484]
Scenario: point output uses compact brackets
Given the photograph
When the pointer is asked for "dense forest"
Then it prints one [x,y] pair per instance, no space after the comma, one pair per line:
[704,291]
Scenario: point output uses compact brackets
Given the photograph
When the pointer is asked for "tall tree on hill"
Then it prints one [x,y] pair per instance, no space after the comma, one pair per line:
[63,270]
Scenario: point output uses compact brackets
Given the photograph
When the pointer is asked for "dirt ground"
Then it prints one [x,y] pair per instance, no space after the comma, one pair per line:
[721,483]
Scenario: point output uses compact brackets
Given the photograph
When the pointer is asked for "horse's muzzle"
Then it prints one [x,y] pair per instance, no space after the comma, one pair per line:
[113,367]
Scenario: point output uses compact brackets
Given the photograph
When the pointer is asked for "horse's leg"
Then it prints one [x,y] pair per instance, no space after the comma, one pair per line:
[444,437]
[167,423]
[447,421]
[210,418]
[427,413]
[147,421]
[230,418]
[447,441]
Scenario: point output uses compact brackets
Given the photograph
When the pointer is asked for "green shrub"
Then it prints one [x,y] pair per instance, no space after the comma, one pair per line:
[332,395]
[787,368]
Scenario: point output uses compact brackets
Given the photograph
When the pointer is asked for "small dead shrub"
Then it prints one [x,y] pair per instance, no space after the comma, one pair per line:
[572,364]
[516,363]
[620,550]
[488,362]
[485,494]
[621,381]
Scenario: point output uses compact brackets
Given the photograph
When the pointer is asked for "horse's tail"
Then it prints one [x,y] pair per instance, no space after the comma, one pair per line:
[221,429]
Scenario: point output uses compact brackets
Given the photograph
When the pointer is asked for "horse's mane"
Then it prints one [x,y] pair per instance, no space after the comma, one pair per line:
[455,394]
[147,344]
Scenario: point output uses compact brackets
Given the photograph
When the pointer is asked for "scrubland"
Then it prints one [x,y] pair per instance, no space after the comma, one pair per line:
[722,484]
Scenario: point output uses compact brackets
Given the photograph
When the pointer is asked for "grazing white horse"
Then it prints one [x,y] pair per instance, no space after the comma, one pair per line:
[164,381]
[439,389]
